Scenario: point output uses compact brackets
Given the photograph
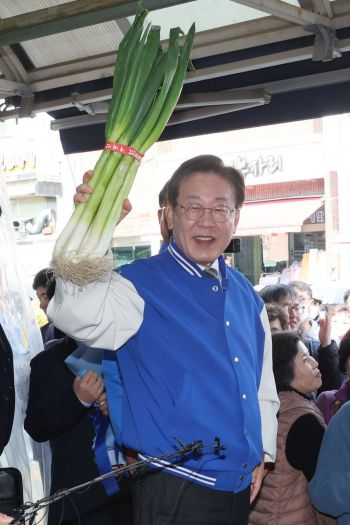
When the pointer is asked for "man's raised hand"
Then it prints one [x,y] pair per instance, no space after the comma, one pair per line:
[84,189]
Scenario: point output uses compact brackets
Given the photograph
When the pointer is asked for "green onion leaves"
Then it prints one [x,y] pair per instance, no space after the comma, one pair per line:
[147,84]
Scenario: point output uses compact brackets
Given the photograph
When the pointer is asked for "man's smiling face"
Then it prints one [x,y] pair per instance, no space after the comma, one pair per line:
[204,239]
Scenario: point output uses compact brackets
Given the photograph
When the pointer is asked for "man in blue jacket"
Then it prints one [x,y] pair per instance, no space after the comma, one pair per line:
[194,356]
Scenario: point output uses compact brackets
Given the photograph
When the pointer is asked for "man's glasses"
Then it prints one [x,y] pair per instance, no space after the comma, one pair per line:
[193,212]
[294,307]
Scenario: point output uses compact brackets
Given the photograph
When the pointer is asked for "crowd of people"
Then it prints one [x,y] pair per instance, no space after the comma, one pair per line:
[195,365]
[311,377]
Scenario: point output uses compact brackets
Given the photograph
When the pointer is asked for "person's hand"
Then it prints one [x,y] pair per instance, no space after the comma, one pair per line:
[88,388]
[5,519]
[84,189]
[102,404]
[131,457]
[257,477]
[324,334]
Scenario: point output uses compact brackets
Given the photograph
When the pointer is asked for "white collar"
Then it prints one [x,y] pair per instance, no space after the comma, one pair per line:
[214,265]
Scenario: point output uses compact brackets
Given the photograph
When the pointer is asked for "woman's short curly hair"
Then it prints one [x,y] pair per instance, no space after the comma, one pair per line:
[285,346]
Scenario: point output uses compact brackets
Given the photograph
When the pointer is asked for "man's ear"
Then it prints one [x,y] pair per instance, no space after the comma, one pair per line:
[236,219]
[169,213]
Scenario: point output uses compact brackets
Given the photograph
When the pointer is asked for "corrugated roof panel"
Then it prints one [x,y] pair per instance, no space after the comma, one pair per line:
[74,44]
[17,7]
[205,13]
[62,47]
[104,38]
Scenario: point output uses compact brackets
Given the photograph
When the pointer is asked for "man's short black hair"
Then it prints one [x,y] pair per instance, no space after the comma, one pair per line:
[274,293]
[206,164]
[163,195]
[346,295]
[42,278]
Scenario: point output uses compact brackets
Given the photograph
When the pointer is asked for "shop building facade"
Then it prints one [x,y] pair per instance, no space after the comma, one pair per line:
[296,215]
[296,219]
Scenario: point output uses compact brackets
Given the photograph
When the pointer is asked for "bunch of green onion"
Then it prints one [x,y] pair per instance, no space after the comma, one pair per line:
[146,86]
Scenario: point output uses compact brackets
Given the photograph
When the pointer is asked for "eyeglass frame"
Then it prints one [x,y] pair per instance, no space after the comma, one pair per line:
[296,307]
[203,210]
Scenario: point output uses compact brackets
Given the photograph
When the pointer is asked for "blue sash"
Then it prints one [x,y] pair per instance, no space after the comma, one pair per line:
[79,362]
[114,389]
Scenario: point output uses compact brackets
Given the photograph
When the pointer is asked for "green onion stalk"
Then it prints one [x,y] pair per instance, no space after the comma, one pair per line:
[147,84]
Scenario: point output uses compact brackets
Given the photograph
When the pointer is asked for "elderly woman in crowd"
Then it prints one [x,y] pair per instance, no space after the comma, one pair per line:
[324,349]
[283,498]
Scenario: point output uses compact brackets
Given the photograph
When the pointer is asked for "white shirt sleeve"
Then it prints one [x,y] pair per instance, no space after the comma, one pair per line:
[103,314]
[268,398]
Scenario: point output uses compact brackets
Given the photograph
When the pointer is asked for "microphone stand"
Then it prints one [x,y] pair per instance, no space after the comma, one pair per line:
[29,510]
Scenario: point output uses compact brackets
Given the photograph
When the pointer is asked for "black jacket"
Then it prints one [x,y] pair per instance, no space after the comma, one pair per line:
[54,413]
[328,362]
[7,390]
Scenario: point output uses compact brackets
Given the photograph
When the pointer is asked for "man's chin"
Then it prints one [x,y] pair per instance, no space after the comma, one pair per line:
[204,259]
[204,255]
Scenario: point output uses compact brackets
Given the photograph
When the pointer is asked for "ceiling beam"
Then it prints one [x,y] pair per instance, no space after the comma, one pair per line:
[124,25]
[287,12]
[185,101]
[77,121]
[11,66]
[323,7]
[213,111]
[11,87]
[71,15]
[252,64]
[306,82]
[231,68]
[207,43]
[244,35]
[238,96]
[6,70]
[274,87]
[176,118]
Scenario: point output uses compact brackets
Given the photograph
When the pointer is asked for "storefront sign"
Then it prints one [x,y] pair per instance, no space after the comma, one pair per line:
[15,160]
[317,217]
[259,166]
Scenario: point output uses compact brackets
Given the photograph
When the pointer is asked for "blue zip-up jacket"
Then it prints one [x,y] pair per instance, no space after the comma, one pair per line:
[329,488]
[189,369]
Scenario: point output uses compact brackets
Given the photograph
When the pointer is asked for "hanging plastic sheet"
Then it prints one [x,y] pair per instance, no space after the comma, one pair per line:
[18,321]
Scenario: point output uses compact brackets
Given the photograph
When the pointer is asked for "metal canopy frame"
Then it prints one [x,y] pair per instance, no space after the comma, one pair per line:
[239,67]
